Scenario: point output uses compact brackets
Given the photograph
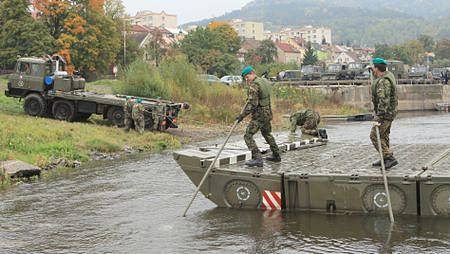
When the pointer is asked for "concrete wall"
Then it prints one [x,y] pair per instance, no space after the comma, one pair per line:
[411,97]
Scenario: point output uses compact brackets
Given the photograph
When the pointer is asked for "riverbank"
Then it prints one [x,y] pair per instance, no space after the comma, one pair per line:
[52,144]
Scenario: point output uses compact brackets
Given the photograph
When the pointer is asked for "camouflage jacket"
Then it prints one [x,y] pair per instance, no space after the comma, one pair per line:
[384,96]
[128,107]
[258,97]
[138,111]
[303,115]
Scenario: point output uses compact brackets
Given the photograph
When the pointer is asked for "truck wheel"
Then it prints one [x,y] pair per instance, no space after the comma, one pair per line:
[63,110]
[35,105]
[116,115]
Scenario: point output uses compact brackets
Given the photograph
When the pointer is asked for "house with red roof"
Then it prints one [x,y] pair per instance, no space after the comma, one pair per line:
[287,53]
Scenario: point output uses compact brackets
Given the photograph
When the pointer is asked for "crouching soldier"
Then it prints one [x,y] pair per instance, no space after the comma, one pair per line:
[138,116]
[128,110]
[307,119]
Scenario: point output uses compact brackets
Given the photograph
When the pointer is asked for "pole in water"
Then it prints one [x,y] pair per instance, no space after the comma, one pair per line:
[383,170]
[212,164]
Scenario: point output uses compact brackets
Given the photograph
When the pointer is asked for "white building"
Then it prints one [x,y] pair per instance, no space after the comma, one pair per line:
[161,19]
[319,35]
[248,29]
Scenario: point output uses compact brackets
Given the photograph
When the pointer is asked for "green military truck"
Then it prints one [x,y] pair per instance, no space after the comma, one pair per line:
[48,90]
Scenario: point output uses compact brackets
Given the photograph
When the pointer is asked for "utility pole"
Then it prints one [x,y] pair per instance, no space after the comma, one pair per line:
[124,44]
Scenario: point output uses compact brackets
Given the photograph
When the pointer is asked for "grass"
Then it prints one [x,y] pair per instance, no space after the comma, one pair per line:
[39,140]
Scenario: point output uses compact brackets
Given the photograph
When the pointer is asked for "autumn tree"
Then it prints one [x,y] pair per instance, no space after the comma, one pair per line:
[20,34]
[84,34]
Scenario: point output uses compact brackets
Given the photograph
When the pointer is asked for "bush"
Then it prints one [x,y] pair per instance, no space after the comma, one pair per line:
[141,79]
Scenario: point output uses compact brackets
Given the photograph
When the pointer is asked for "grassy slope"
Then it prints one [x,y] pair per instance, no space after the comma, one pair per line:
[39,140]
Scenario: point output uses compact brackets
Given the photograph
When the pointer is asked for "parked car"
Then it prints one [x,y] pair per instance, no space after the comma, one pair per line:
[231,80]
[210,79]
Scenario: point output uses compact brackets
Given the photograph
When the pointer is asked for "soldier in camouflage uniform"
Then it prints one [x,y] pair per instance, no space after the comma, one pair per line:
[138,116]
[128,110]
[385,102]
[307,119]
[259,107]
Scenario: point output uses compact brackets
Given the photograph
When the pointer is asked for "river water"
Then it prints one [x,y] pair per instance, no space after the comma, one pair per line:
[136,206]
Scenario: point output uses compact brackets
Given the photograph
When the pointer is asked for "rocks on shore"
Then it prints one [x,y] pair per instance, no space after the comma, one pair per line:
[19,169]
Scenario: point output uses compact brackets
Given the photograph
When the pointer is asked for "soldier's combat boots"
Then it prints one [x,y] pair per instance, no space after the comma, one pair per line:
[257,162]
[389,162]
[274,157]
[323,133]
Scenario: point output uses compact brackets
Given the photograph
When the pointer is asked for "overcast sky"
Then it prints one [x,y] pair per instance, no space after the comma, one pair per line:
[186,10]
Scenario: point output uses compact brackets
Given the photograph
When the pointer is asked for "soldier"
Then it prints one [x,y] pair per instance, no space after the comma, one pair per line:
[385,101]
[138,116]
[307,119]
[128,110]
[259,107]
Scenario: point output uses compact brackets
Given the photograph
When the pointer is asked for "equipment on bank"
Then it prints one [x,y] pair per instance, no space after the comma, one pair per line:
[48,90]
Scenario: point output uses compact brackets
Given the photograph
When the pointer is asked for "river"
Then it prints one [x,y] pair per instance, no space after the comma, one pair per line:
[135,207]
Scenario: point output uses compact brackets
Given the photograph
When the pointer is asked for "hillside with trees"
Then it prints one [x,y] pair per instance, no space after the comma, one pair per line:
[353,22]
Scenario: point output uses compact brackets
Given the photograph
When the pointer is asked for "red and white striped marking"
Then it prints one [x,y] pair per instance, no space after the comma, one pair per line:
[271,200]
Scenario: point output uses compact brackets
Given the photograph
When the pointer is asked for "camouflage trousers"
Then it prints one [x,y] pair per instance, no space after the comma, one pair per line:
[128,122]
[385,130]
[309,127]
[139,124]
[266,130]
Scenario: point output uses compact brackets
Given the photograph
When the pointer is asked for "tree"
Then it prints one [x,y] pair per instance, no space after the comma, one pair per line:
[267,51]
[427,42]
[156,49]
[20,34]
[213,49]
[84,34]
[443,49]
[310,57]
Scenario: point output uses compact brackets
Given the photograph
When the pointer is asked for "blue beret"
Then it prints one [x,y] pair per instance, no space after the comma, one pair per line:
[246,71]
[379,60]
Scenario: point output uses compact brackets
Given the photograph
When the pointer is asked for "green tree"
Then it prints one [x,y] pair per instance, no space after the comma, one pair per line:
[156,48]
[213,49]
[267,51]
[443,49]
[427,42]
[310,57]
[20,34]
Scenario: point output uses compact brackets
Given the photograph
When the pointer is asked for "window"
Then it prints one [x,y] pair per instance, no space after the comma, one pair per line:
[24,68]
[36,69]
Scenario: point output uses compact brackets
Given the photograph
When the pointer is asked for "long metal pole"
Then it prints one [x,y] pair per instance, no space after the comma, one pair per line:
[383,170]
[213,163]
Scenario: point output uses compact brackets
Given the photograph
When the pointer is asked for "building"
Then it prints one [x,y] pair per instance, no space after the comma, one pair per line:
[347,57]
[161,19]
[248,29]
[286,53]
[247,46]
[319,35]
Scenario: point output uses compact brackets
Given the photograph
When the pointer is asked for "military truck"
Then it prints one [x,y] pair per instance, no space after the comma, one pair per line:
[418,72]
[397,68]
[331,72]
[48,90]
[311,72]
[289,75]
